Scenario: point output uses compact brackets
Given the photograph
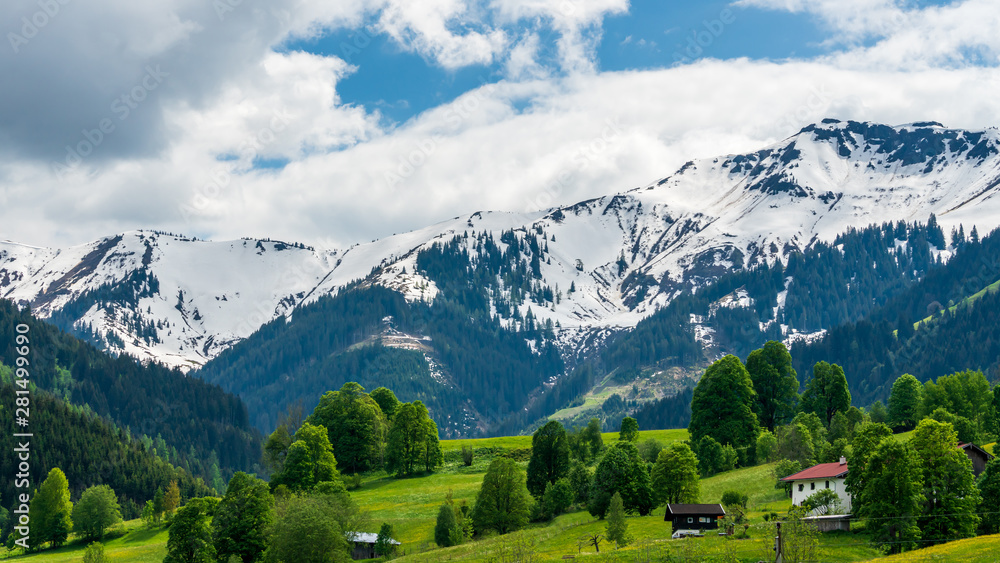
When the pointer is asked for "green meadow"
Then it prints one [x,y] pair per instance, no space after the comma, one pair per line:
[411,506]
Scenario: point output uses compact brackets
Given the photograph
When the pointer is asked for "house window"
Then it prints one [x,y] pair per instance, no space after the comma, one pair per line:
[801,487]
[827,484]
[705,520]
[690,520]
[812,486]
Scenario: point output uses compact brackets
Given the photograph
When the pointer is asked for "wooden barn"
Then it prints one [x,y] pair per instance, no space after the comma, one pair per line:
[694,516]
[363,545]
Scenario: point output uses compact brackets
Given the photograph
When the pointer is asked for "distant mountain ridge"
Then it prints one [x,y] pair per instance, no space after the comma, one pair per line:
[181,301]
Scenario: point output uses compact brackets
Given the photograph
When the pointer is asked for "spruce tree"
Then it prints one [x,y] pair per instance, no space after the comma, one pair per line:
[617,530]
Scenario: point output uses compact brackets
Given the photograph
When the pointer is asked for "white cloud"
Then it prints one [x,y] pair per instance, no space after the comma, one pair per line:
[531,141]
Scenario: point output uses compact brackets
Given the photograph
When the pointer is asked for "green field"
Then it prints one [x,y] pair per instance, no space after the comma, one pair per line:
[411,506]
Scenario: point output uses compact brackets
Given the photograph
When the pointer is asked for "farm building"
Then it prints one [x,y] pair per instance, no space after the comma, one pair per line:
[694,516]
[363,545]
[831,476]
[979,457]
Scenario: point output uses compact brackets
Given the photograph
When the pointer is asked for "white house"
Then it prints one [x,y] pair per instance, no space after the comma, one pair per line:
[831,476]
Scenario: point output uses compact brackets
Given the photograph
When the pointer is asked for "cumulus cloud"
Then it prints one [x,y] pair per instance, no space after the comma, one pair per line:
[242,137]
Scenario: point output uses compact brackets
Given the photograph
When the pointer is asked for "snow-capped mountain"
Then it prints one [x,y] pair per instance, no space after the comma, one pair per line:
[608,261]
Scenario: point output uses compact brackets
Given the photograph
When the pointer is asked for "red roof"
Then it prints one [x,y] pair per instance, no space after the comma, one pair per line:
[821,471]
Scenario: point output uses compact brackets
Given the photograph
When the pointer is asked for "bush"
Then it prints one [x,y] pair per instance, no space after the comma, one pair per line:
[467,456]
[94,554]
[735,498]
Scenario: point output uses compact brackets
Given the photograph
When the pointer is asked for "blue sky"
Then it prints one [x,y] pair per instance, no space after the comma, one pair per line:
[652,34]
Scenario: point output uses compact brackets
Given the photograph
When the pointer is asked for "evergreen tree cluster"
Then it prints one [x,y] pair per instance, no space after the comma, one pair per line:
[199,427]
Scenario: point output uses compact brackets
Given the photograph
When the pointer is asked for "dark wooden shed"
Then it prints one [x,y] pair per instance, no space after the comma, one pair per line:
[979,457]
[694,516]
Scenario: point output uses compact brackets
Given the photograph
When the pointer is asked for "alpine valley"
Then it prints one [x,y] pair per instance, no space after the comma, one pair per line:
[496,320]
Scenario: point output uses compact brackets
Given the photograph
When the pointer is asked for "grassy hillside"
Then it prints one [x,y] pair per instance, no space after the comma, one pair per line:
[983,548]
[411,506]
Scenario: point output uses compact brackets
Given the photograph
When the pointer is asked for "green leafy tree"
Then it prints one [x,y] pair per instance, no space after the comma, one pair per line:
[412,441]
[147,514]
[722,406]
[650,449]
[823,501]
[795,442]
[447,531]
[96,511]
[866,438]
[591,435]
[629,429]
[503,501]
[734,498]
[549,457]
[276,448]
[355,424]
[967,430]
[710,456]
[621,470]
[783,469]
[433,456]
[877,413]
[309,529]
[386,400]
[190,537]
[989,494]
[94,553]
[158,506]
[171,498]
[965,394]
[826,393]
[580,478]
[310,460]
[905,402]
[675,476]
[767,447]
[891,486]
[617,529]
[950,493]
[242,519]
[50,510]
[385,544]
[558,497]
[775,383]
[841,427]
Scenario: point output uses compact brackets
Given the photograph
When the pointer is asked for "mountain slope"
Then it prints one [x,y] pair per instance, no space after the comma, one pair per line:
[181,301]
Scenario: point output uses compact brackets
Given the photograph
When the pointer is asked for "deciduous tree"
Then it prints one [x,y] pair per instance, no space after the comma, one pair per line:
[629,429]
[891,486]
[826,393]
[242,519]
[722,406]
[989,494]
[549,457]
[355,424]
[950,493]
[96,511]
[621,470]
[675,476]
[617,529]
[775,382]
[190,537]
[502,504]
[50,510]
[905,402]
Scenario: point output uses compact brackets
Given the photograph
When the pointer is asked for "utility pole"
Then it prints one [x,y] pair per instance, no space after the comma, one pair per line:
[779,557]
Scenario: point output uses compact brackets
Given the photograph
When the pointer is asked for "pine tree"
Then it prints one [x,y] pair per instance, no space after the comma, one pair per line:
[446,530]
[617,530]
